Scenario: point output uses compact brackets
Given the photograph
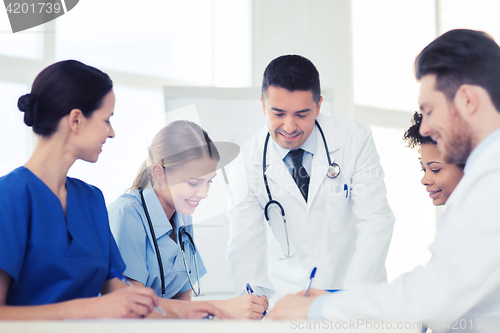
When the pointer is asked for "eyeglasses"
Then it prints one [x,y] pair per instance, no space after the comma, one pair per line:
[185,237]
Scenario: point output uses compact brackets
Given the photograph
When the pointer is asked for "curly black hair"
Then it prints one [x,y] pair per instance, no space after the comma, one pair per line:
[412,135]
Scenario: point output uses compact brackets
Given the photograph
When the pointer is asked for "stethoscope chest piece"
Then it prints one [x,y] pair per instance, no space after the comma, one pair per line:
[333,170]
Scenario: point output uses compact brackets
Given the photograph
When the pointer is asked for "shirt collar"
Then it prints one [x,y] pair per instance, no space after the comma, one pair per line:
[310,145]
[481,147]
[158,217]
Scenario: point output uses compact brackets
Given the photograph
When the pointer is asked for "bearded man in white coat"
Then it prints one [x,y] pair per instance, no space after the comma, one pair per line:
[459,289]
[323,173]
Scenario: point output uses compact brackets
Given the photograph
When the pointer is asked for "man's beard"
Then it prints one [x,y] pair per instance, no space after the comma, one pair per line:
[459,145]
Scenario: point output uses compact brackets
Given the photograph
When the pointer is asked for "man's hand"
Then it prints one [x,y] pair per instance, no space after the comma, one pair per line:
[245,306]
[313,292]
[199,310]
[291,307]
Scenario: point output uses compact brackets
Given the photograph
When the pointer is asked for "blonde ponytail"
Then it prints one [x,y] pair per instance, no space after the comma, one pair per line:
[142,178]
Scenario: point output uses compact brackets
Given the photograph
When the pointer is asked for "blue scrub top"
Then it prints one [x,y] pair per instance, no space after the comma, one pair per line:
[131,230]
[49,256]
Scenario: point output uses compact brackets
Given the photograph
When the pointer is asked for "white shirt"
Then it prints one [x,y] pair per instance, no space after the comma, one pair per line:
[461,282]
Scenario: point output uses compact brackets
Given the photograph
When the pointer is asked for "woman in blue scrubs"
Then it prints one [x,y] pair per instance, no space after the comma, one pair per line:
[168,188]
[56,249]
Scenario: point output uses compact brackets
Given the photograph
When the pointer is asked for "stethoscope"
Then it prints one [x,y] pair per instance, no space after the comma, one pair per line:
[182,232]
[332,172]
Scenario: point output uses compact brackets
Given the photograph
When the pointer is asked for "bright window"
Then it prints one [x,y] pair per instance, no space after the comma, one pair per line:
[477,14]
[387,36]
[14,134]
[198,41]
[24,44]
[138,115]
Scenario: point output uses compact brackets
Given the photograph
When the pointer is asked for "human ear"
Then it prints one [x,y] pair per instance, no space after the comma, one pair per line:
[263,105]
[318,106]
[158,174]
[467,100]
[75,119]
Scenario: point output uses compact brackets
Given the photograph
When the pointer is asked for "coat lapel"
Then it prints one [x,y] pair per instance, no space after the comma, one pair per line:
[320,165]
[161,224]
[319,168]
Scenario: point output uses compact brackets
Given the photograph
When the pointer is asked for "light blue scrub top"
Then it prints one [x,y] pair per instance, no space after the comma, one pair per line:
[49,256]
[130,227]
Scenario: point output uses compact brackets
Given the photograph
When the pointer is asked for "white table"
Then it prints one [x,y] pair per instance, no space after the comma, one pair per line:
[197,326]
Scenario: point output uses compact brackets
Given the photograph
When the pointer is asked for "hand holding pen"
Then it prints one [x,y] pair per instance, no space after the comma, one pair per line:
[251,292]
[126,281]
[313,273]
[296,306]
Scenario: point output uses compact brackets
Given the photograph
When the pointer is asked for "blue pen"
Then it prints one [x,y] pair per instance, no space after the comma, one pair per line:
[313,273]
[122,278]
[346,189]
[251,292]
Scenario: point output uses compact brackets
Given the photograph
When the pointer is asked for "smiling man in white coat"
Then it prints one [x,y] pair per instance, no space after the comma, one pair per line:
[459,289]
[323,174]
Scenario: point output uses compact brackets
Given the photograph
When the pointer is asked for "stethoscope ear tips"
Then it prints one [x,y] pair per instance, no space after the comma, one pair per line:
[333,170]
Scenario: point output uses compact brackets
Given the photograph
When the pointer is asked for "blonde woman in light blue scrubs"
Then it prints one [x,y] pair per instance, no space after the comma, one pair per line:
[170,184]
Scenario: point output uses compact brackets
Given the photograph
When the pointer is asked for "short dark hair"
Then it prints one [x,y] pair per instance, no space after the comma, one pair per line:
[412,135]
[60,88]
[292,72]
[459,57]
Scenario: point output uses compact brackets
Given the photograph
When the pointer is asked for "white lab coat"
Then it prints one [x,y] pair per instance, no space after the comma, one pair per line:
[460,286]
[346,238]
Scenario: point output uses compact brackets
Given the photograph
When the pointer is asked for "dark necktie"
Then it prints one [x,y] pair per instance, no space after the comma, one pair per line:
[299,172]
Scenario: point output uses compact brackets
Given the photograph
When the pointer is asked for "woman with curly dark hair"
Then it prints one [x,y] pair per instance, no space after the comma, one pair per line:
[440,178]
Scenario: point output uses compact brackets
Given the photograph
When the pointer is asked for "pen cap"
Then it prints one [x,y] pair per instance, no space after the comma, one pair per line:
[313,273]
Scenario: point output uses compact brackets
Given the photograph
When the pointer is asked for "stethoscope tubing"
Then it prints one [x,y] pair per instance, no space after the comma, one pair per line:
[330,174]
[181,245]
[157,250]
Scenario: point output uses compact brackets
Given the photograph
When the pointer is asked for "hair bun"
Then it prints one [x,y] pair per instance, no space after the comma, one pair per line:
[29,105]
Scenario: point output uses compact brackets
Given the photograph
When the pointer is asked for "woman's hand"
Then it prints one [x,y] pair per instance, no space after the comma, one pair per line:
[244,307]
[126,302]
[120,301]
